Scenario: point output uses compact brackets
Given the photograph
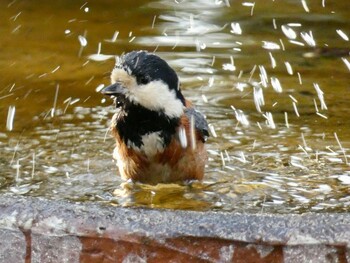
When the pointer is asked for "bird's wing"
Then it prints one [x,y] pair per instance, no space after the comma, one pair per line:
[200,123]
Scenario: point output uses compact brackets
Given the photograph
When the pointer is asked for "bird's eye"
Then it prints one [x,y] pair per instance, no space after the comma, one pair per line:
[143,80]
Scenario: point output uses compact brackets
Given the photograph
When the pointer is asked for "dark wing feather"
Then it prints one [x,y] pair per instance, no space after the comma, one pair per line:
[200,123]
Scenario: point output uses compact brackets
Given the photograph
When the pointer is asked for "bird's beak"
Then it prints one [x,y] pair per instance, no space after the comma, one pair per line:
[114,90]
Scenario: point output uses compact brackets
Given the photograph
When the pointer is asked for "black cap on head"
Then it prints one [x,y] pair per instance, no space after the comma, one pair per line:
[147,67]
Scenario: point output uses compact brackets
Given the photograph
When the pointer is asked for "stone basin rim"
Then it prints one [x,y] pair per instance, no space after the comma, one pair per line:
[65,218]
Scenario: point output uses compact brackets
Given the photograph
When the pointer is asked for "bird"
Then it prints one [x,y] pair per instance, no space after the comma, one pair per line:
[160,137]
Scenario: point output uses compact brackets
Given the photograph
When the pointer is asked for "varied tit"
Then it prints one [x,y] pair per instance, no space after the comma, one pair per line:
[159,135]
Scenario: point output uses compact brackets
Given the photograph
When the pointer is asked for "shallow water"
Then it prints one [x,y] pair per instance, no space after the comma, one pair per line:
[274,148]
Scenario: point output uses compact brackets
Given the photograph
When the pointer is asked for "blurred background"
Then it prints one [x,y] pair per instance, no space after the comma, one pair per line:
[272,77]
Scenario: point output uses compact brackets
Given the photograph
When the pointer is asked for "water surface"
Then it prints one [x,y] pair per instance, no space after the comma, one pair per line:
[271,77]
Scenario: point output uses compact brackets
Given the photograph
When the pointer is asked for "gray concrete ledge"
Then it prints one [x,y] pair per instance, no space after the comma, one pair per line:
[39,230]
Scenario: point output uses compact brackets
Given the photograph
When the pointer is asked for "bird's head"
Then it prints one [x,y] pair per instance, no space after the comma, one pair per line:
[144,79]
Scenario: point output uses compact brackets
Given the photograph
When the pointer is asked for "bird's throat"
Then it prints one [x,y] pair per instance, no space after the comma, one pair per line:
[136,121]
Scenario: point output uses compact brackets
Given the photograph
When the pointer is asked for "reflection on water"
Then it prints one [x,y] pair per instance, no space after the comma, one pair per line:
[271,77]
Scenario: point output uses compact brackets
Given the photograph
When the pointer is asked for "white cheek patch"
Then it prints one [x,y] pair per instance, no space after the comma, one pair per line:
[157,96]
[121,76]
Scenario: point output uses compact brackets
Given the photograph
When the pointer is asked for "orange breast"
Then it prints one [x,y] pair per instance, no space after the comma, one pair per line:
[173,164]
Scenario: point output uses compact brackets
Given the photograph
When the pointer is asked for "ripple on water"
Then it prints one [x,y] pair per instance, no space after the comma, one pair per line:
[276,115]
